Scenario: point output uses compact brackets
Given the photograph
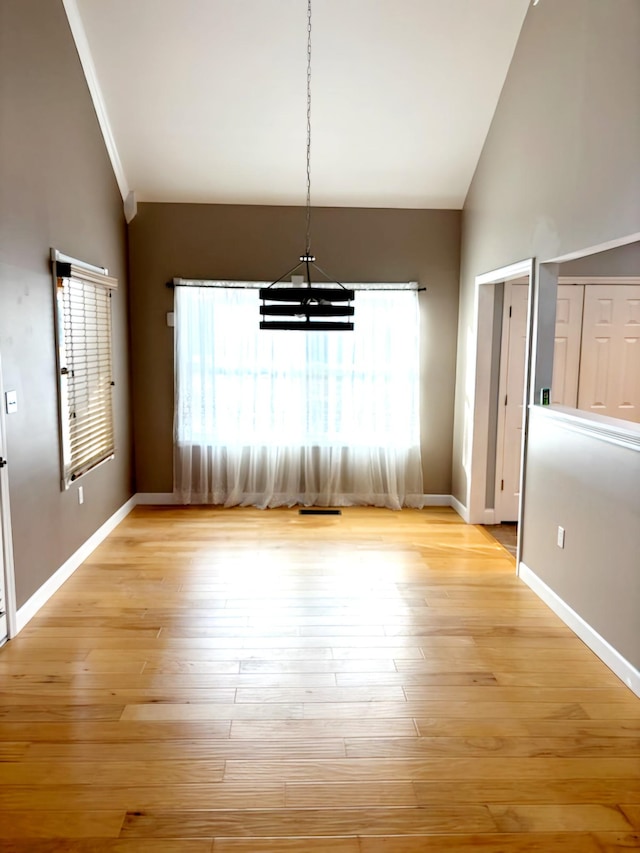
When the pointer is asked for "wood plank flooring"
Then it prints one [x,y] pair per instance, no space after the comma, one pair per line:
[237,681]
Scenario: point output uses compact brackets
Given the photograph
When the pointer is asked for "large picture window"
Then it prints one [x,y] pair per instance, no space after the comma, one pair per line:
[280,417]
[83,314]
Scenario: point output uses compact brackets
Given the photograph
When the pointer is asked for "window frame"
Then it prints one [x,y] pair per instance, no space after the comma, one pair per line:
[100,419]
[225,369]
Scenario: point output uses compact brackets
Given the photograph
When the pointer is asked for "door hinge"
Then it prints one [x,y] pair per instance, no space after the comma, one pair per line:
[506,397]
[3,462]
[502,485]
[510,310]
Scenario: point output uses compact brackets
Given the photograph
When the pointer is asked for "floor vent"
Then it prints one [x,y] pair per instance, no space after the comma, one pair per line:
[314,511]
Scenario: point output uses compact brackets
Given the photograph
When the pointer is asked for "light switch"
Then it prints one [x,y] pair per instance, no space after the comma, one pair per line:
[11,402]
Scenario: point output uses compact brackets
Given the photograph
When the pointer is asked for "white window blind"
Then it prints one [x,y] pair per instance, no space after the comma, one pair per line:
[83,300]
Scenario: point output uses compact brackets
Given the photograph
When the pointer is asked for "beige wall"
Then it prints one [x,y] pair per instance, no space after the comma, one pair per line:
[592,490]
[623,261]
[560,172]
[260,243]
[56,189]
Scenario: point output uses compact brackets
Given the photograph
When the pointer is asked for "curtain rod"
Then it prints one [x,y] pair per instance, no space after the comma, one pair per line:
[181,282]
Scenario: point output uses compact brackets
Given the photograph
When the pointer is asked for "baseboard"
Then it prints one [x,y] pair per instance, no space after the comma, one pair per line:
[460,508]
[53,584]
[156,498]
[168,498]
[605,651]
[437,500]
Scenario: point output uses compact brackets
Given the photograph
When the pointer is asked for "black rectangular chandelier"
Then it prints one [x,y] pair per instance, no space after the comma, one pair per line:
[307,308]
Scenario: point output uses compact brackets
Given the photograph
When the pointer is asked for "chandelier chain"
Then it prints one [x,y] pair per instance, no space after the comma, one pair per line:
[308,246]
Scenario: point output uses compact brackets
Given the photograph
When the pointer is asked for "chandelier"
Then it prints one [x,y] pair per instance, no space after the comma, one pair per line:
[309,307]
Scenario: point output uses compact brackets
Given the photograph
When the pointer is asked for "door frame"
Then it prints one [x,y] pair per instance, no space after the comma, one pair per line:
[482,402]
[6,540]
[501,409]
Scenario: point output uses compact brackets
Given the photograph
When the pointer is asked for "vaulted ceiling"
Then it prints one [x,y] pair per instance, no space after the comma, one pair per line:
[205,100]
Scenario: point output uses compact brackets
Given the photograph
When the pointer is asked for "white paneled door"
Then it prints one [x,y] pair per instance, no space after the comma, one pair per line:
[610,354]
[566,351]
[511,401]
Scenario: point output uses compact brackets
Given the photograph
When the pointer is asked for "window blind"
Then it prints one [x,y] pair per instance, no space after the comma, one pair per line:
[85,369]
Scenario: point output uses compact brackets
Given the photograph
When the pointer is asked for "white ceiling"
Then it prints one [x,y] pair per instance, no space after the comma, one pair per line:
[206,99]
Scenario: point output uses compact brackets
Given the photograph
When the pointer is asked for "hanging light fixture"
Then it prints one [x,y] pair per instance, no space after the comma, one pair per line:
[309,308]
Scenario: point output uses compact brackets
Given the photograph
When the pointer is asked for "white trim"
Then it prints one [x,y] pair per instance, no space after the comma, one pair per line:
[476,448]
[521,268]
[53,584]
[605,651]
[460,508]
[599,279]
[130,207]
[6,537]
[498,479]
[86,60]
[9,565]
[437,500]
[611,430]
[59,257]
[594,250]
[156,498]
[501,437]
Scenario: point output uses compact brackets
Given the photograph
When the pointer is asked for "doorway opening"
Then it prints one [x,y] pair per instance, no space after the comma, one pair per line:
[506,534]
[503,313]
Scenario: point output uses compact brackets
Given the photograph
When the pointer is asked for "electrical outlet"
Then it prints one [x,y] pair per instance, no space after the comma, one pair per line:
[560,537]
[80,495]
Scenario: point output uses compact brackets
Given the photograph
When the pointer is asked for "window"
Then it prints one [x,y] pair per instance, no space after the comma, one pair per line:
[274,417]
[83,323]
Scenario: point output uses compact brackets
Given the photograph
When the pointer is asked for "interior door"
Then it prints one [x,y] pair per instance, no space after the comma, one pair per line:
[610,355]
[511,400]
[7,589]
[566,351]
[3,596]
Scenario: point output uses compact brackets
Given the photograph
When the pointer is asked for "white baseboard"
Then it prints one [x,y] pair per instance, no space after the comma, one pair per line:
[53,584]
[460,508]
[156,498]
[437,500]
[605,651]
[168,498]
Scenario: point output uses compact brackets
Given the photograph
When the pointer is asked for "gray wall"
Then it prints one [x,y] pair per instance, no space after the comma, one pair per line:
[260,243]
[56,189]
[560,172]
[624,260]
[592,489]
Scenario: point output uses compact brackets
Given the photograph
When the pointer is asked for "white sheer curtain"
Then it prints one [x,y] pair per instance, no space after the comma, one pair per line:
[268,418]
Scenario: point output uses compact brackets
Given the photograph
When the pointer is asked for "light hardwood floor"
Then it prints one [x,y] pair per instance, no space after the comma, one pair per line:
[237,681]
